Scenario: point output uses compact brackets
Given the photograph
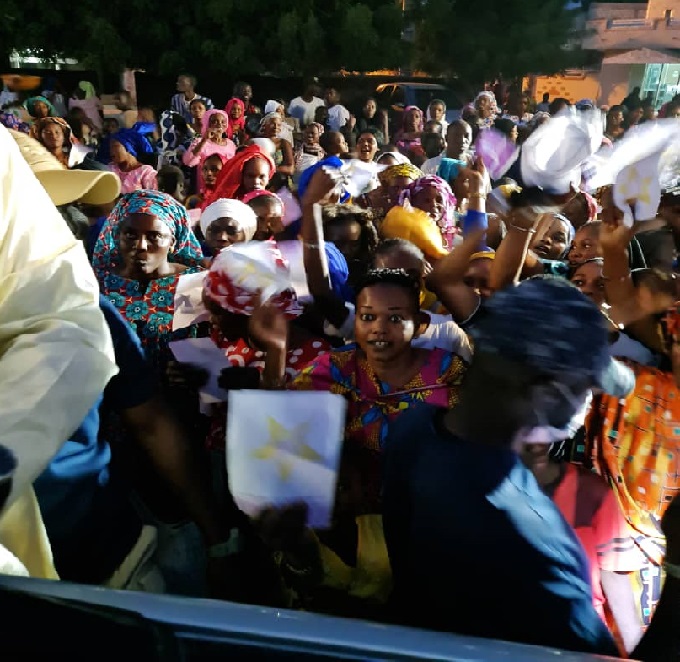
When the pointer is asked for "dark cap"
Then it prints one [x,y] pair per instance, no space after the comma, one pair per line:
[549,326]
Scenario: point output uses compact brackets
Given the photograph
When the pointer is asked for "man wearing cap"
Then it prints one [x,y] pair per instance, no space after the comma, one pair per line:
[476,547]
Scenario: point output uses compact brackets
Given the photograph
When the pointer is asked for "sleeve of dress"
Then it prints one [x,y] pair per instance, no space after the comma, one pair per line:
[149,179]
[317,376]
[616,551]
[56,354]
[189,159]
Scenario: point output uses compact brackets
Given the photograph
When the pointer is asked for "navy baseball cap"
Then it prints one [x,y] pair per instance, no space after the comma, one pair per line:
[549,326]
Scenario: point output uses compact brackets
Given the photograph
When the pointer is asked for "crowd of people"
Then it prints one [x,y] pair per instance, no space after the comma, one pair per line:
[504,335]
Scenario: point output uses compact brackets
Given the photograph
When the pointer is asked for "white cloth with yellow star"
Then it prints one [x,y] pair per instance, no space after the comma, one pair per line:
[284,447]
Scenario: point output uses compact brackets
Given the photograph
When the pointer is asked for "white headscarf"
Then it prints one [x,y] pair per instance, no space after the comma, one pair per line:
[272,106]
[224,208]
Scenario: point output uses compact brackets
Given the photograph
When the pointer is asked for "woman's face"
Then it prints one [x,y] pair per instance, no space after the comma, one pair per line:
[367,147]
[223,233]
[211,168]
[370,109]
[484,107]
[236,112]
[535,456]
[118,153]
[346,235]
[197,110]
[396,186]
[269,219]
[586,246]
[40,109]
[553,244]
[145,242]
[615,119]
[437,112]
[255,175]
[431,201]
[414,119]
[477,277]
[218,123]
[272,128]
[312,135]
[386,322]
[52,136]
[589,280]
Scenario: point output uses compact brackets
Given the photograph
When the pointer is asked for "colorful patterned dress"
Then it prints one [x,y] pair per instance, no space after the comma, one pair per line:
[634,443]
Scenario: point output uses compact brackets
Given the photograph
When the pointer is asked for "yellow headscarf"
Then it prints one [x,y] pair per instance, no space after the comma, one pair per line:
[415,226]
[399,170]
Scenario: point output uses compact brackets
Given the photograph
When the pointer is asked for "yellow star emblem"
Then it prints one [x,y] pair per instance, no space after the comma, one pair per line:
[291,441]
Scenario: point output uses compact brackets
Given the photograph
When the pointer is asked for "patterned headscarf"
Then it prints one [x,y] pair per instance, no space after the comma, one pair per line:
[399,170]
[39,125]
[240,123]
[267,194]
[407,110]
[11,121]
[239,277]
[448,220]
[230,178]
[186,249]
[267,118]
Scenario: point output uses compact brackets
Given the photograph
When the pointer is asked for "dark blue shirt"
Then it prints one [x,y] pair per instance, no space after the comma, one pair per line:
[476,547]
[87,513]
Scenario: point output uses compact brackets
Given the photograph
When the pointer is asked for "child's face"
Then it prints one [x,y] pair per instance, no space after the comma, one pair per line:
[437,112]
[197,110]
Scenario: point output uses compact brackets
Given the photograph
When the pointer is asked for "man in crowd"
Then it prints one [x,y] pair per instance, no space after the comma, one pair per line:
[186,93]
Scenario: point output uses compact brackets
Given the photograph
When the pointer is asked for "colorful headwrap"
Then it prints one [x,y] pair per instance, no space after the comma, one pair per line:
[235,209]
[448,220]
[30,103]
[320,127]
[307,174]
[205,122]
[245,273]
[40,124]
[186,249]
[229,180]
[240,123]
[133,141]
[399,170]
[407,110]
[267,118]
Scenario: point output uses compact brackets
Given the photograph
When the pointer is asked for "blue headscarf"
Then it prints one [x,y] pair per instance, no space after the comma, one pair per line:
[339,272]
[306,175]
[133,139]
[186,249]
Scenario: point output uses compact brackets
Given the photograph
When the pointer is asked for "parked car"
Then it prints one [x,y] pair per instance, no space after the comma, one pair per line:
[394,97]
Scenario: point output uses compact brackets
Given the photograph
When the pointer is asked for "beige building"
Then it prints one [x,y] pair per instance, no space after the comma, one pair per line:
[640,47]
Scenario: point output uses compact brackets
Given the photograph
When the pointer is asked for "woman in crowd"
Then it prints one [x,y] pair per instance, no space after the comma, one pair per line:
[270,127]
[369,118]
[39,108]
[56,136]
[145,246]
[486,109]
[616,119]
[198,110]
[555,242]
[225,223]
[309,151]
[269,210]
[367,146]
[250,170]
[434,196]
[407,138]
[236,129]
[380,376]
[210,167]
[126,146]
[213,140]
[393,181]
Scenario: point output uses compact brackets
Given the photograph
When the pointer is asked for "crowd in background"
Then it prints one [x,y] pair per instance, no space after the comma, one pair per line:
[508,351]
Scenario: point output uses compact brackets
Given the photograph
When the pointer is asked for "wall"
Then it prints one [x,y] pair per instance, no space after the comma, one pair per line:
[606,88]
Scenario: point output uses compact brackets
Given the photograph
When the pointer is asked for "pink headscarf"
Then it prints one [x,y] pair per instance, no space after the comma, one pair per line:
[407,110]
[205,122]
[240,123]
[447,222]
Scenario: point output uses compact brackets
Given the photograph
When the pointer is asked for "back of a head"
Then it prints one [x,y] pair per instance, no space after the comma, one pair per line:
[169,179]
[546,97]
[558,104]
[396,244]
